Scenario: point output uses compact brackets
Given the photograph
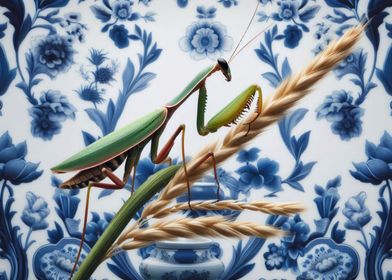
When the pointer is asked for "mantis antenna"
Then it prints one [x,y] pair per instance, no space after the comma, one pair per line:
[250,41]
[246,30]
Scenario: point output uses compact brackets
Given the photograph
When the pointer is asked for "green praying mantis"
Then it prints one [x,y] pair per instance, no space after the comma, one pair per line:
[100,159]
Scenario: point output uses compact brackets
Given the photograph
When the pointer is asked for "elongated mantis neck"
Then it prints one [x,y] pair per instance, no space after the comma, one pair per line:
[193,86]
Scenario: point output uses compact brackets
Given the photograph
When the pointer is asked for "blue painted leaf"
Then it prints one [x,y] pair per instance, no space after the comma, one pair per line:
[301,171]
[105,193]
[138,30]
[15,13]
[286,69]
[301,144]
[3,27]
[123,267]
[143,81]
[322,225]
[88,138]
[55,235]
[44,4]
[339,17]
[242,272]
[272,78]
[309,13]
[338,235]
[376,13]
[128,76]
[340,4]
[99,118]
[7,75]
[55,182]
[385,74]
[262,54]
[182,3]
[101,13]
[294,185]
[287,124]
[24,29]
[334,183]
[72,226]
[149,16]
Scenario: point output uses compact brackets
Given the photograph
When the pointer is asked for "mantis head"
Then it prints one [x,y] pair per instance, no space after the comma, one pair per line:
[224,68]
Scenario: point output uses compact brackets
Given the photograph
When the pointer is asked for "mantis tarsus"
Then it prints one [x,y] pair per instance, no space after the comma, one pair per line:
[98,160]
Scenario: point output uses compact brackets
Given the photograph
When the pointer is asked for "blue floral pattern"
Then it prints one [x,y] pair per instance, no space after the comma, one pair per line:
[74,71]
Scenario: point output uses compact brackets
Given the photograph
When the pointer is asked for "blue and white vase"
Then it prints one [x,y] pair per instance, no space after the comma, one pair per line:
[182,259]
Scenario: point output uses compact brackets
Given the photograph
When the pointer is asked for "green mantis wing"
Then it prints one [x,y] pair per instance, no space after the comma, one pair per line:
[114,143]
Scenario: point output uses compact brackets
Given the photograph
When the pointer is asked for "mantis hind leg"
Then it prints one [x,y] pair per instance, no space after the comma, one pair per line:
[117,184]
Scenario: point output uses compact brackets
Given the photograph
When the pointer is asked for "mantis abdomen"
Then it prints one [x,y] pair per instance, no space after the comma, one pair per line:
[95,174]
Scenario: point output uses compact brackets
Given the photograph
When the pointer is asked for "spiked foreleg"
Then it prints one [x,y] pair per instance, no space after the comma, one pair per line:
[231,113]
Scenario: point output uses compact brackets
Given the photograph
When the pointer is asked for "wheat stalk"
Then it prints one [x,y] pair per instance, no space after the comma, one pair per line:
[286,96]
[215,226]
[285,208]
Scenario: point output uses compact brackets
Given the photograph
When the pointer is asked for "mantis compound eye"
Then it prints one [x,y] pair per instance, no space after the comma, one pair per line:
[224,66]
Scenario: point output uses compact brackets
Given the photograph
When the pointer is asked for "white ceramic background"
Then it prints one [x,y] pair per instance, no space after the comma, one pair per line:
[173,69]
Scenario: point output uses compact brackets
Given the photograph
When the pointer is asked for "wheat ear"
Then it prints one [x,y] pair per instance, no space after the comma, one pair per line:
[286,96]
[215,226]
[285,208]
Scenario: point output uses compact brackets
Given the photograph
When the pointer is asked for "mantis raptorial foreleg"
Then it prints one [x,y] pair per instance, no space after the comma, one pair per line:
[231,113]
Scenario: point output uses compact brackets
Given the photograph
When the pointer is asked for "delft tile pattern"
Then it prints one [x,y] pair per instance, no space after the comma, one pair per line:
[347,232]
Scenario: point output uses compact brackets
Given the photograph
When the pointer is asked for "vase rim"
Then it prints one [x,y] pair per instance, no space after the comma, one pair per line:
[185,243]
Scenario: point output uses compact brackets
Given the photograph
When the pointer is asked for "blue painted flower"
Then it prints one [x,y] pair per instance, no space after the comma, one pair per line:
[119,35]
[56,261]
[275,257]
[248,155]
[334,106]
[228,3]
[262,175]
[378,168]
[326,200]
[350,65]
[288,9]
[292,36]
[205,13]
[382,151]
[54,53]
[96,226]
[13,166]
[206,39]
[41,126]
[325,260]
[56,105]
[104,75]
[322,31]
[357,213]
[90,93]
[373,171]
[53,109]
[351,124]
[35,212]
[66,200]
[122,9]
[345,116]
[299,233]
[97,57]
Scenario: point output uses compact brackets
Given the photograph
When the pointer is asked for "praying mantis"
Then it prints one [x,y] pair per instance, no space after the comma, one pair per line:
[100,159]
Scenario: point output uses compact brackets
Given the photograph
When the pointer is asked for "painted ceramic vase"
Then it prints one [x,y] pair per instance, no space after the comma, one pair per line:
[182,259]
